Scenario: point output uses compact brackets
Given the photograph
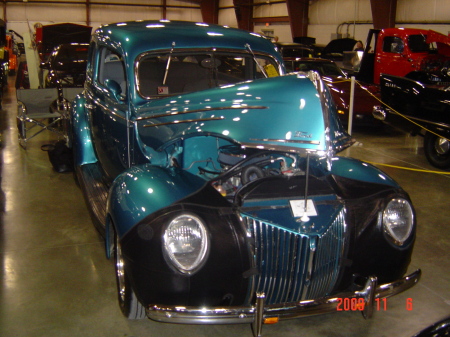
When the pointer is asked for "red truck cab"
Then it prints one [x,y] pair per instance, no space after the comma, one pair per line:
[419,54]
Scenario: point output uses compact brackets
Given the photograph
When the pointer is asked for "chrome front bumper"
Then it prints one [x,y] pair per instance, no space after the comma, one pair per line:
[259,313]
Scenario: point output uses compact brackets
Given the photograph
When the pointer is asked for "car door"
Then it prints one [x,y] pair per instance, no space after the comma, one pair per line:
[108,114]
[392,57]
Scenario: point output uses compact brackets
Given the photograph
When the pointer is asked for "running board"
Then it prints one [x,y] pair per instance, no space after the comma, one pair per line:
[96,193]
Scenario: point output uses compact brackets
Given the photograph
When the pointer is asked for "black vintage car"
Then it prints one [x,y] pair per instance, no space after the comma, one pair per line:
[66,65]
[421,109]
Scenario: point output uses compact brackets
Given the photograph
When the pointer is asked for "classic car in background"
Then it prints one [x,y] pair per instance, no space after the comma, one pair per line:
[66,66]
[292,50]
[420,109]
[419,54]
[41,47]
[335,49]
[48,37]
[340,87]
[438,329]
[214,179]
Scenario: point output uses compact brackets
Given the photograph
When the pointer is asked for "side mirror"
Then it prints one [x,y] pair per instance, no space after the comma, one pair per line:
[114,88]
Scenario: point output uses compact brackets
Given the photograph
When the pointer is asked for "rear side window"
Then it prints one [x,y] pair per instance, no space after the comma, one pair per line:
[111,67]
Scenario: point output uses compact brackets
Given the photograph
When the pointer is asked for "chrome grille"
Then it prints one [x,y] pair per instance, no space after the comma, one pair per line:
[294,266]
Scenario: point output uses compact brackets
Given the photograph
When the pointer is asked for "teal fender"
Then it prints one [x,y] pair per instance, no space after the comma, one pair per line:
[81,137]
[145,189]
[359,170]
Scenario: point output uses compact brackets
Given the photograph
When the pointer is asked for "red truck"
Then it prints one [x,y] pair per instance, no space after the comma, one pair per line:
[418,54]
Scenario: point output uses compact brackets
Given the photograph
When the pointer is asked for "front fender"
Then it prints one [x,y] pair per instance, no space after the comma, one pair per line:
[81,137]
[145,189]
[359,170]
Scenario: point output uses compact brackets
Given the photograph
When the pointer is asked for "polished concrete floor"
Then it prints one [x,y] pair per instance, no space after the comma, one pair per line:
[56,281]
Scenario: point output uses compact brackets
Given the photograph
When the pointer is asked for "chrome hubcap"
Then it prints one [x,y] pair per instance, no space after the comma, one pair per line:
[442,146]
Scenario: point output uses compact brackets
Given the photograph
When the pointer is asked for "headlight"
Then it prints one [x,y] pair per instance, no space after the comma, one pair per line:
[398,220]
[186,243]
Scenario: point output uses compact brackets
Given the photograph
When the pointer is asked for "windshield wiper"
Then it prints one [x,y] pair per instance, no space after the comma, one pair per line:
[256,61]
[168,63]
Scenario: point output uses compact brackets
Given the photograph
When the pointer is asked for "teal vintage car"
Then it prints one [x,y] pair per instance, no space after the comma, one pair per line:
[214,179]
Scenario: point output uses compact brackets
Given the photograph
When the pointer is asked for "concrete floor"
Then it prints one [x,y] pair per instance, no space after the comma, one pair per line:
[56,281]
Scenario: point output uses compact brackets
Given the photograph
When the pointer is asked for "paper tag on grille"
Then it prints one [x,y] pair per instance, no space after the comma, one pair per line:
[298,208]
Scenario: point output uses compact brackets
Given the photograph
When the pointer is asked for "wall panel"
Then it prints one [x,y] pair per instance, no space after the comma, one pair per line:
[326,17]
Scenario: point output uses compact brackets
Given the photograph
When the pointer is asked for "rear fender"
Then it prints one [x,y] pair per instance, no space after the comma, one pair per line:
[81,137]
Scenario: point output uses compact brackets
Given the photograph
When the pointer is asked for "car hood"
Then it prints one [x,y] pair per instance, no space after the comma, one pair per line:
[442,41]
[293,112]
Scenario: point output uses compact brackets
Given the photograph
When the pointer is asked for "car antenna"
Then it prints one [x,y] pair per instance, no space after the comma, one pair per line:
[168,63]
[305,217]
[256,61]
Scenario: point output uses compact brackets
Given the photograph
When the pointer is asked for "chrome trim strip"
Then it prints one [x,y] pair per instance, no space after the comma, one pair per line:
[99,104]
[280,148]
[170,114]
[312,142]
[234,315]
[185,121]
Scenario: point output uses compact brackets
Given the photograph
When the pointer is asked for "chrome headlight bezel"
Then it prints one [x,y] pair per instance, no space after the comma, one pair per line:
[398,221]
[186,243]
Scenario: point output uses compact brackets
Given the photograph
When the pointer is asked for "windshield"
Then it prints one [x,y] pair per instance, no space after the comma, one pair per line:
[417,43]
[175,73]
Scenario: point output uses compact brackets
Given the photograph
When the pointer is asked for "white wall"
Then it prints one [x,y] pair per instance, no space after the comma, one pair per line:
[227,16]
[21,17]
[326,17]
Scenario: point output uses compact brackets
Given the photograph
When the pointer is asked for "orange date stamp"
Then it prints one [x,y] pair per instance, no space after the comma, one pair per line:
[358,304]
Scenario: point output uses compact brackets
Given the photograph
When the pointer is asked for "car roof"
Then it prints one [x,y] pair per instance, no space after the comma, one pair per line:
[136,37]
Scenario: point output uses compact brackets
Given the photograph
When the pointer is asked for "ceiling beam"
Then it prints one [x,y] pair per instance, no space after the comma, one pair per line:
[383,13]
[298,17]
[244,14]
[210,11]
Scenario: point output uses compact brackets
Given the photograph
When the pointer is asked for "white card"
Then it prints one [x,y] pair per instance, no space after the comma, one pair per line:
[163,90]
[298,208]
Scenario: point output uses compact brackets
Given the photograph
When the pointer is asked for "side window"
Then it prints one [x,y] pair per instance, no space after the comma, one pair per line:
[111,67]
[392,44]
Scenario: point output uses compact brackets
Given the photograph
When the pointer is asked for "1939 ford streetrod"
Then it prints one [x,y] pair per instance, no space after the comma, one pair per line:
[214,179]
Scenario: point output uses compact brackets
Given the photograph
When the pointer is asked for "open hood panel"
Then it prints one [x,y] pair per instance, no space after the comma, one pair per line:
[293,112]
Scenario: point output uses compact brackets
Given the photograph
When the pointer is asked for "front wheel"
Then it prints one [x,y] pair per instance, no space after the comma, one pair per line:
[129,304]
[437,150]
